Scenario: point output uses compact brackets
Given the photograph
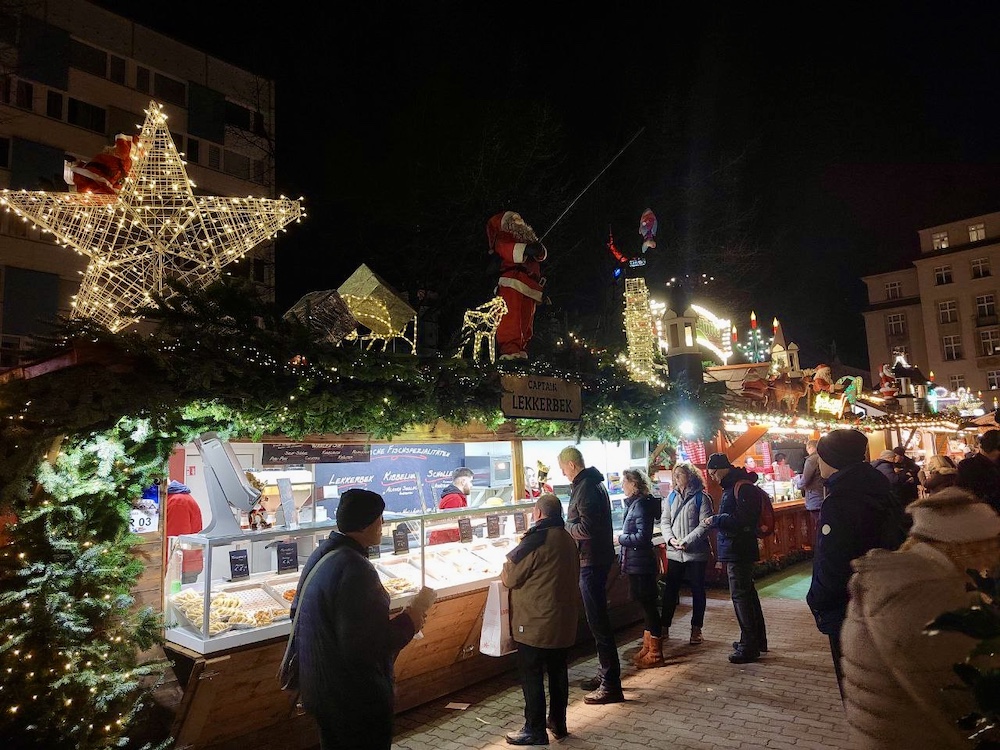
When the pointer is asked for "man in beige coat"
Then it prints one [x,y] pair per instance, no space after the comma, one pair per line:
[542,574]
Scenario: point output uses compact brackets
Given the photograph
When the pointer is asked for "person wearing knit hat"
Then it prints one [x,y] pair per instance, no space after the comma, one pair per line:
[344,639]
[896,675]
[859,514]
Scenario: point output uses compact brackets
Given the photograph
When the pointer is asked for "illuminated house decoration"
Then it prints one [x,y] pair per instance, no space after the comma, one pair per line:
[377,307]
[152,231]
[640,332]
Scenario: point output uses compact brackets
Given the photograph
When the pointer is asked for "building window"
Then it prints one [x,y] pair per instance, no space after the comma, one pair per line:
[896,323]
[142,79]
[986,306]
[893,289]
[980,268]
[940,240]
[989,341]
[24,95]
[88,59]
[178,140]
[259,172]
[214,157]
[955,382]
[54,104]
[948,311]
[193,152]
[977,232]
[87,116]
[993,379]
[4,153]
[942,275]
[169,90]
[116,69]
[237,165]
[952,347]
[238,116]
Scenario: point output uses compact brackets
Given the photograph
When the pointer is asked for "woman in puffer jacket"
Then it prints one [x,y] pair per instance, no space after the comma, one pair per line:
[638,560]
[686,535]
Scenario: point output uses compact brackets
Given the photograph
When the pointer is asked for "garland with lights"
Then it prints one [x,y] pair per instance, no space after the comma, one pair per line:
[79,443]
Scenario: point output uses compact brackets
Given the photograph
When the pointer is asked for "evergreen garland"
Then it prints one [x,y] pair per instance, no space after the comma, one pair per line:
[217,360]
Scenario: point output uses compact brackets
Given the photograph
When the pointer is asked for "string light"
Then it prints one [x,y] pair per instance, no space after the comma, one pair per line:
[152,231]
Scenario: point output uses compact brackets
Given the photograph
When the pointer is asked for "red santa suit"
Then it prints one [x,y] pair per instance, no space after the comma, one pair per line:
[520,282]
[106,172]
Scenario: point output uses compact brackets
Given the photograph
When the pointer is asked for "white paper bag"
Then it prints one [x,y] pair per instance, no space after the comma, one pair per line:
[495,638]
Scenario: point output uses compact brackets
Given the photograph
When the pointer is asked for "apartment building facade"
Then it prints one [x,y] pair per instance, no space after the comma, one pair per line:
[72,76]
[942,311]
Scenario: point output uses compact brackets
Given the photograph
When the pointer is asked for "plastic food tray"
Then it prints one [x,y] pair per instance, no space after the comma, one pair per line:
[464,564]
[400,568]
[253,598]
[278,585]
[184,619]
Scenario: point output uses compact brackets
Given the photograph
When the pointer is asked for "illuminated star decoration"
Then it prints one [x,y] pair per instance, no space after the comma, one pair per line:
[152,231]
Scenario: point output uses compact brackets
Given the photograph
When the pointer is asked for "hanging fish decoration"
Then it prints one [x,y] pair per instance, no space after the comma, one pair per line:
[647,229]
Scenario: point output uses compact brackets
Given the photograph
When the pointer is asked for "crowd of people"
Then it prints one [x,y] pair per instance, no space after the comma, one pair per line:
[893,544]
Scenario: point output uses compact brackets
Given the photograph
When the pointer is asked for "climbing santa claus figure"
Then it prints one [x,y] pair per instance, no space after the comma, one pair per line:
[520,282]
[105,173]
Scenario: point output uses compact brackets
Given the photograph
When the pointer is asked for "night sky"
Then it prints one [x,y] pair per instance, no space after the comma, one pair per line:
[820,138]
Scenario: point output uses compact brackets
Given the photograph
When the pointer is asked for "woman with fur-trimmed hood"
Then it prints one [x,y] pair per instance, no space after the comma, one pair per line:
[897,676]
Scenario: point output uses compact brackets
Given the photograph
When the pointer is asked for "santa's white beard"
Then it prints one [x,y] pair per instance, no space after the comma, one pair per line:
[520,231]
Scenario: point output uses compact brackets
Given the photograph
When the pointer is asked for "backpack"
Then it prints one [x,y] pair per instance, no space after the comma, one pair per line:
[765,520]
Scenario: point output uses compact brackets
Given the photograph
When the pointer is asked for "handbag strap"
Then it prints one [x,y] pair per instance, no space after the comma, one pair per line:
[302,590]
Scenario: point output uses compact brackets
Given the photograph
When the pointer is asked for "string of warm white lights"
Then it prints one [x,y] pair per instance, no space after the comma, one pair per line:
[152,231]
[639,332]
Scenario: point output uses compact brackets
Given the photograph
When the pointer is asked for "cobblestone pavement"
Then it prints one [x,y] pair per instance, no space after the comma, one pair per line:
[787,700]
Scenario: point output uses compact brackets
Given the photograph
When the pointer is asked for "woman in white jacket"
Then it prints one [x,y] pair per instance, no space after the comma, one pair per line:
[897,677]
[682,527]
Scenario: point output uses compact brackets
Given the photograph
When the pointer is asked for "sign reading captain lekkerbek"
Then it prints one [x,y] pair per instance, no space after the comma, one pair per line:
[538,397]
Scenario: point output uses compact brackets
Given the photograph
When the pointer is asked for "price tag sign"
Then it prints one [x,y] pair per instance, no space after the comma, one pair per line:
[142,521]
[374,552]
[288,557]
[239,566]
[400,540]
[520,523]
[465,529]
[493,526]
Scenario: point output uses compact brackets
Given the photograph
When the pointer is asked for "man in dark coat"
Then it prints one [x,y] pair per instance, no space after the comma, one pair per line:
[588,520]
[980,473]
[859,514]
[345,640]
[541,573]
[739,512]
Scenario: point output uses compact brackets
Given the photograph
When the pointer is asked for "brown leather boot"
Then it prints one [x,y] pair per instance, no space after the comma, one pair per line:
[653,657]
[644,650]
[696,636]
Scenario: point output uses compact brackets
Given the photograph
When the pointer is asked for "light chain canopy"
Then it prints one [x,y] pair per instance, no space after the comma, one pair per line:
[154,230]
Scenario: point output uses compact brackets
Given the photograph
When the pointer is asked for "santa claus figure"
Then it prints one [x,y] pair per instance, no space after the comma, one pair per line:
[822,379]
[888,388]
[520,282]
[106,172]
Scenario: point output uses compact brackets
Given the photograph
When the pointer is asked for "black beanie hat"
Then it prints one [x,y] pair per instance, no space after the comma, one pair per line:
[358,509]
[843,448]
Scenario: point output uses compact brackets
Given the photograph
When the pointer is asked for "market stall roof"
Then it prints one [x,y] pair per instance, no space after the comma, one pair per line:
[901,370]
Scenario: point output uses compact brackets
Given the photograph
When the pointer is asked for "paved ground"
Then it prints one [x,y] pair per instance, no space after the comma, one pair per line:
[788,700]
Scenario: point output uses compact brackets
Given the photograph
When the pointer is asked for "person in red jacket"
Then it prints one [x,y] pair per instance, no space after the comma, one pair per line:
[521,281]
[453,497]
[184,517]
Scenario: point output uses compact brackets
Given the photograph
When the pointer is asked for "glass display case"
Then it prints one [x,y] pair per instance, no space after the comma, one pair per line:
[240,590]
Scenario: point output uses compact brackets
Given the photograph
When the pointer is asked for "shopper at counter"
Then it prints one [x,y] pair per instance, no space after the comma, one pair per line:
[682,524]
[588,521]
[638,560]
[453,497]
[346,642]
[184,517]
[811,482]
[858,515]
[541,573]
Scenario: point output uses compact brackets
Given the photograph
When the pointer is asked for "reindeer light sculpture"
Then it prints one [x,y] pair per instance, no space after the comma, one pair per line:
[481,323]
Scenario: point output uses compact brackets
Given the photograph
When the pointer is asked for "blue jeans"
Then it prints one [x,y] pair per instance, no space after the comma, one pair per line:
[593,587]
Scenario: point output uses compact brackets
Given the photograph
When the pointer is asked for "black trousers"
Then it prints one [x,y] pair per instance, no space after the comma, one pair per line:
[836,654]
[694,571]
[642,589]
[753,633]
[593,587]
[534,663]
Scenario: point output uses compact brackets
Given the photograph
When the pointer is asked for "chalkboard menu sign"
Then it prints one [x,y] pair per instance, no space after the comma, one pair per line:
[400,540]
[288,557]
[374,552]
[239,566]
[520,523]
[465,529]
[493,526]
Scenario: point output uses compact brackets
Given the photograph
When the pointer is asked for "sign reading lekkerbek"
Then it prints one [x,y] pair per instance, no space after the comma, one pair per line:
[538,397]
